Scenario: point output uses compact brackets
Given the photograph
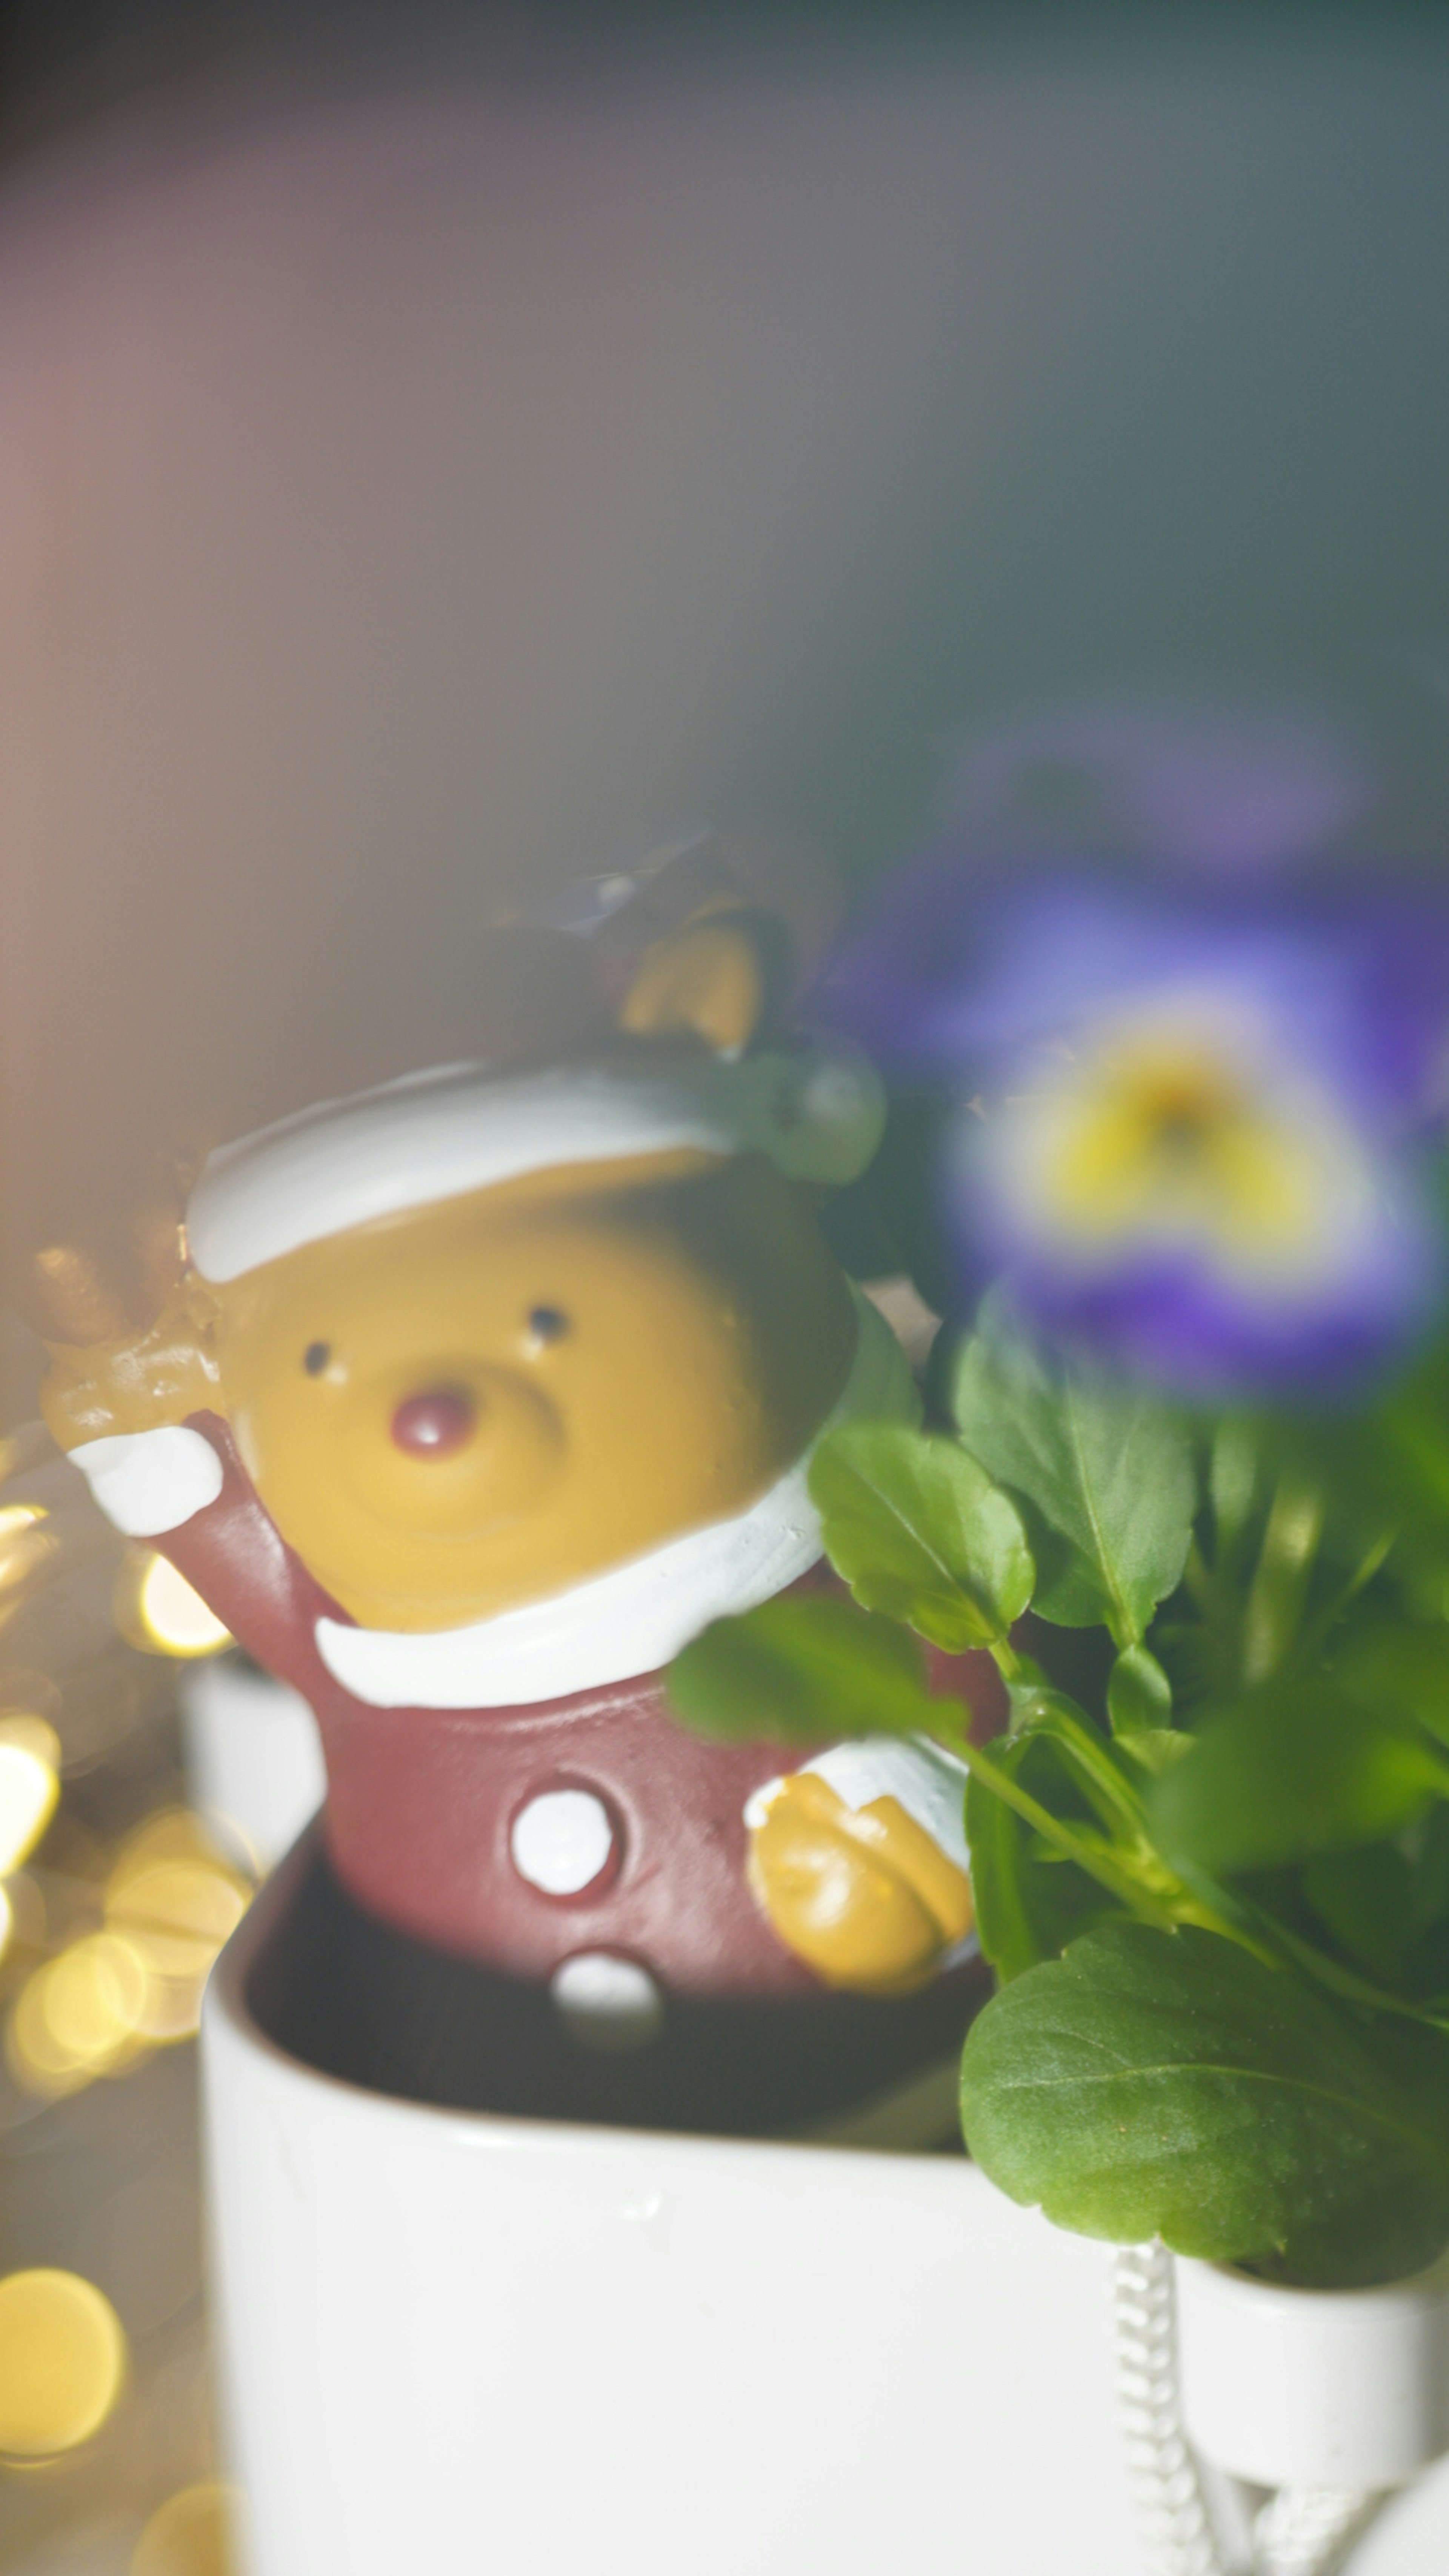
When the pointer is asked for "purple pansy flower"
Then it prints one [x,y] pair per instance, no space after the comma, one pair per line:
[1189,1120]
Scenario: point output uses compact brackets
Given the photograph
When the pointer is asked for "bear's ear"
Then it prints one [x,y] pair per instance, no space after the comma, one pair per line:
[108,1281]
[704,979]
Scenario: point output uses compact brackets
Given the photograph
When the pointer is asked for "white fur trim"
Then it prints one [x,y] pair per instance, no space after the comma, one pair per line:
[636,1617]
[436,1135]
[149,1481]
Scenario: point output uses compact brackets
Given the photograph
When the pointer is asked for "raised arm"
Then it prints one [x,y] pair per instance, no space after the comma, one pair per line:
[141,1419]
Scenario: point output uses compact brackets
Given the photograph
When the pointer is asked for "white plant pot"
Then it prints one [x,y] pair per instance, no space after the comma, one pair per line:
[453,2342]
[1314,2388]
[456,2342]
[253,1753]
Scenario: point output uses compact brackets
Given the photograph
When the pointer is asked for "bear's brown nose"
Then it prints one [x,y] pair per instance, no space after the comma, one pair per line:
[436,1423]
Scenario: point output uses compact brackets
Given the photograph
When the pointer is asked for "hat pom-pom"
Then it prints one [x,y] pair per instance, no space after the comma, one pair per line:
[819,1115]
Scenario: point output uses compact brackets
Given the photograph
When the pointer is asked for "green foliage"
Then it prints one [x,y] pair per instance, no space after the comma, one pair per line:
[1139,1694]
[1399,1668]
[1386,1905]
[920,1531]
[1031,1897]
[1213,1883]
[1364,1897]
[800,1671]
[1295,1769]
[1389,1464]
[1106,1471]
[1169,2084]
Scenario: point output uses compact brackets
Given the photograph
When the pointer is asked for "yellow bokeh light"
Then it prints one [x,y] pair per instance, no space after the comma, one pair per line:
[24,1545]
[80,2015]
[7,1922]
[190,2535]
[112,1996]
[175,1914]
[158,1610]
[62,2362]
[28,1792]
[171,1833]
[33,1734]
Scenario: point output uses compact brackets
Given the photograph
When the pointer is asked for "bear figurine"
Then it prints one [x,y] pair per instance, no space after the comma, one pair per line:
[477,1396]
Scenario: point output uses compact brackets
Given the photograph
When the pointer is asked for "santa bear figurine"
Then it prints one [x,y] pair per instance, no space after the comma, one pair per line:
[477,1396]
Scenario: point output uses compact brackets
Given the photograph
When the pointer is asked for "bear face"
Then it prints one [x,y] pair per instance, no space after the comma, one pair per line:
[486,1400]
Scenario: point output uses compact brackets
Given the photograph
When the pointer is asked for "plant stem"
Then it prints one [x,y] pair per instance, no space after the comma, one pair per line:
[1176,1902]
[1293,1951]
[1015,1669]
[1333,1609]
[1232,1484]
[1280,1582]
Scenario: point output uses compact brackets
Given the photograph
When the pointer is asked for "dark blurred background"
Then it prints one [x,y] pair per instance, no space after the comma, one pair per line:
[446,451]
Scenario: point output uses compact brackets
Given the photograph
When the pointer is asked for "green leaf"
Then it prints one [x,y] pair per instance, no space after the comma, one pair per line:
[1139,1694]
[1155,1748]
[1388,1466]
[1030,1900]
[1232,1482]
[1169,2084]
[1273,1612]
[1291,1771]
[1108,1473]
[1364,1898]
[1402,1667]
[919,1531]
[1387,1905]
[801,1671]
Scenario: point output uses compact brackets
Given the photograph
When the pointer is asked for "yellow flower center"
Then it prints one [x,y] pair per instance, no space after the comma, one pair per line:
[1166,1137]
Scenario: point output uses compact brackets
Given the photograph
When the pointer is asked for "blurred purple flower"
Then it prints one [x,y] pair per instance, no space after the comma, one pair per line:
[1216,788]
[1190,1124]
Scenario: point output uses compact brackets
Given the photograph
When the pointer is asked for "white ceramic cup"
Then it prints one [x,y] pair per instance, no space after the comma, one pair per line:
[1330,2388]
[253,1753]
[451,2342]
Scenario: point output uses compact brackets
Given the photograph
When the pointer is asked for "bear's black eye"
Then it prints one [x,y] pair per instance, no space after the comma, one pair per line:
[547,1323]
[315,1357]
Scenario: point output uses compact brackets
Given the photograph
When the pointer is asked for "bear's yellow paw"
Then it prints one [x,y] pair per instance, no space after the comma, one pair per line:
[861,1894]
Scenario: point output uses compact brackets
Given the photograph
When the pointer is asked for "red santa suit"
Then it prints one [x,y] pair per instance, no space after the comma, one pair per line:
[583,1845]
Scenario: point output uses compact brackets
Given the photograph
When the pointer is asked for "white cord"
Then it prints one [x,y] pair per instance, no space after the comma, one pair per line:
[1166,2489]
[1305,2531]
[1301,2531]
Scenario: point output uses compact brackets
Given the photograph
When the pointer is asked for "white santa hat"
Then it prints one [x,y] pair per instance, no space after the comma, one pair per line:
[431,1136]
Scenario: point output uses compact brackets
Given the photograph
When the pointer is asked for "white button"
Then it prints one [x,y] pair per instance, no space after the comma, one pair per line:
[561,1841]
[609,2004]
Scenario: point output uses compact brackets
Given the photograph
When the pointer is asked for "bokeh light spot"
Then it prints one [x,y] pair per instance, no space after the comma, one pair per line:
[24,1545]
[29,1788]
[35,1735]
[159,1611]
[169,1833]
[190,2535]
[174,1899]
[79,2016]
[62,2362]
[176,1914]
